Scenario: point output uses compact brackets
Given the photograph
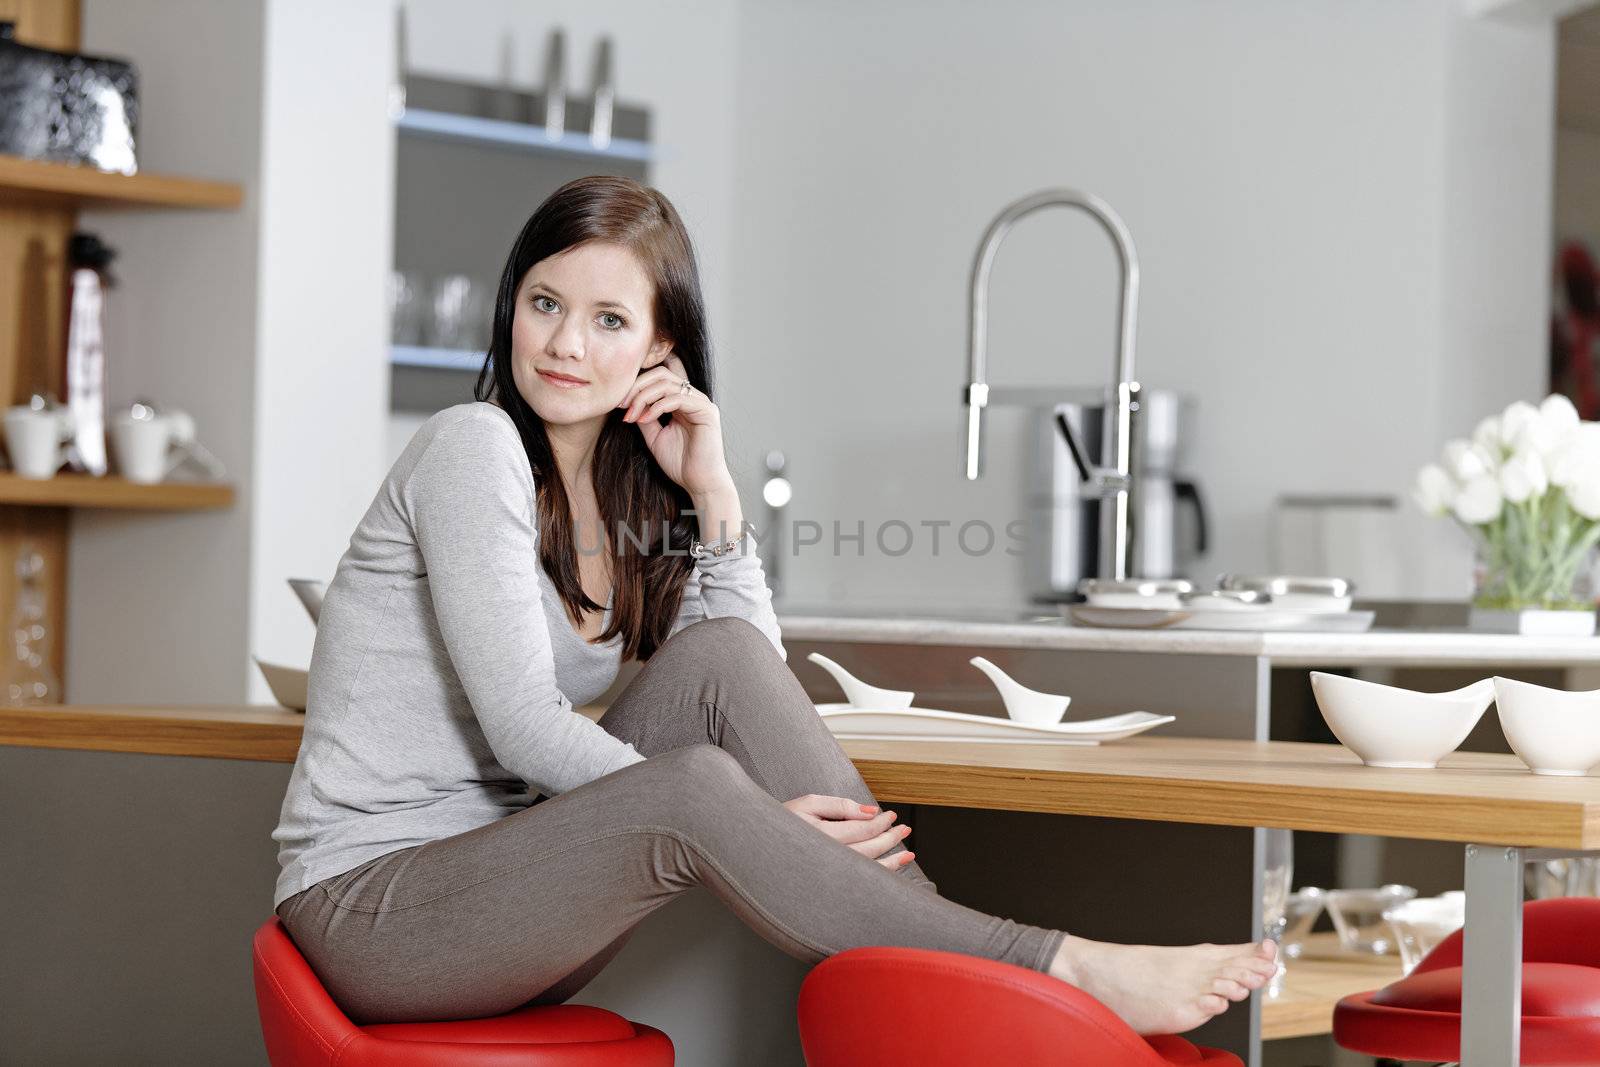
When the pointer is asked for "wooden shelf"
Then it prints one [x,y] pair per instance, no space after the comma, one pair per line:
[1316,982]
[71,490]
[31,181]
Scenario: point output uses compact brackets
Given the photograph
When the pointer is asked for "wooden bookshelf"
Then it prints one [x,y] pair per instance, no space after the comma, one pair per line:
[70,490]
[65,185]
[39,205]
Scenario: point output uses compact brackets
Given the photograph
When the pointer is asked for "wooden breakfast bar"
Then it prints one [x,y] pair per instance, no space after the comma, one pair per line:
[1502,815]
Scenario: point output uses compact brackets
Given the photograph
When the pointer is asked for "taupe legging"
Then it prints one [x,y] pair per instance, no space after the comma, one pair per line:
[531,907]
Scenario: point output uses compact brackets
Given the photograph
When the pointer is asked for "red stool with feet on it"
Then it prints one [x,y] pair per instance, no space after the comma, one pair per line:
[1419,1017]
[304,1028]
[885,1007]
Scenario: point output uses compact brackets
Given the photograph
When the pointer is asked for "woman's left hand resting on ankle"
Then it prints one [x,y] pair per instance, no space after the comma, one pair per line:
[862,827]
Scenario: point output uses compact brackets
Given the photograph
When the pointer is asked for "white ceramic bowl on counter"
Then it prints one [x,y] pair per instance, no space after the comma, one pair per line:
[1391,727]
[1555,732]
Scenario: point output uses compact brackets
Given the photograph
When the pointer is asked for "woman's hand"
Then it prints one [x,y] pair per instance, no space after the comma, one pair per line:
[860,826]
[688,448]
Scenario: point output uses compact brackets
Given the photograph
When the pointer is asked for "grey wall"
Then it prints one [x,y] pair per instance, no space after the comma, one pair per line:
[158,604]
[133,885]
[1341,211]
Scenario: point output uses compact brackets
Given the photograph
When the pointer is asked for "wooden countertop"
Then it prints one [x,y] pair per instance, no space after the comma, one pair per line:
[1471,797]
[1476,797]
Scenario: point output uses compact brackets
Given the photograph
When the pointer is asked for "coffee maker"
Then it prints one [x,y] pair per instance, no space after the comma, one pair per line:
[1169,515]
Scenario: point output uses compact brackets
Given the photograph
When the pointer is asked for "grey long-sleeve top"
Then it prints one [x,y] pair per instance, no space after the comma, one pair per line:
[445,668]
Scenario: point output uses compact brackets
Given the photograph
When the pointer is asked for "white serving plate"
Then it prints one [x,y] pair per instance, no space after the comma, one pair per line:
[1241,618]
[928,724]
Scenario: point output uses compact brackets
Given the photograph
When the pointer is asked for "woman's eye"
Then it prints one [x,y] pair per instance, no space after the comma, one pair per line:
[544,303]
[611,322]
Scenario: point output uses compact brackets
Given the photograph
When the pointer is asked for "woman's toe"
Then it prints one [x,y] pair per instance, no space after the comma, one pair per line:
[1245,976]
[1227,987]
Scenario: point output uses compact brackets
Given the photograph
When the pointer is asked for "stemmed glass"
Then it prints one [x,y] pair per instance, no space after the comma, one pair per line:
[1276,878]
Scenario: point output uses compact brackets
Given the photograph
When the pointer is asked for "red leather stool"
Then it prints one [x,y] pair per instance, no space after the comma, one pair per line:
[886,1007]
[304,1028]
[1419,1017]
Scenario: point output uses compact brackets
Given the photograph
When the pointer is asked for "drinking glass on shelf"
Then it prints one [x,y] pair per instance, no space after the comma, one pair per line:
[406,310]
[460,313]
[1419,925]
[1305,907]
[1276,878]
[29,677]
[1578,877]
[1358,916]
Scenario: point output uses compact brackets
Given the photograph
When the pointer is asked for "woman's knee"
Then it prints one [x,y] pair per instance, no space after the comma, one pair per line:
[687,778]
[736,642]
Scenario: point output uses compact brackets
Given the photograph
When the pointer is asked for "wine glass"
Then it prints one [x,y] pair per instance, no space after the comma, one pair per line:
[1276,878]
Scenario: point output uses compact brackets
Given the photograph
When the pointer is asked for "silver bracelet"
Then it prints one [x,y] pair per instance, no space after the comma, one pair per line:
[698,549]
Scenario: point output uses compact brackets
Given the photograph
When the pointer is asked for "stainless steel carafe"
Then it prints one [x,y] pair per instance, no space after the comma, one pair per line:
[1064,526]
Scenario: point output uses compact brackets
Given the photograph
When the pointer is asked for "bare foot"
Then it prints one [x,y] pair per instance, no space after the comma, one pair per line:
[1164,990]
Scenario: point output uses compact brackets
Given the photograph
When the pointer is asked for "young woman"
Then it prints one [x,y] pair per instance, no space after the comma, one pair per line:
[456,840]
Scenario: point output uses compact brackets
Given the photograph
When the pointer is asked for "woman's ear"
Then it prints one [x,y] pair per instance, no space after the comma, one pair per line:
[658,353]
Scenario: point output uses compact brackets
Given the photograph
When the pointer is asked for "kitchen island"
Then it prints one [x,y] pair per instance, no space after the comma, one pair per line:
[186,799]
[1113,878]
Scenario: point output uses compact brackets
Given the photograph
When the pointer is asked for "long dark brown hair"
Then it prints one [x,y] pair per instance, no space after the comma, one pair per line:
[642,509]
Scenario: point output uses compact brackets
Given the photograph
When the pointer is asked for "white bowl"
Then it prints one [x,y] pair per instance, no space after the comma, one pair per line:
[1391,727]
[1555,732]
[288,684]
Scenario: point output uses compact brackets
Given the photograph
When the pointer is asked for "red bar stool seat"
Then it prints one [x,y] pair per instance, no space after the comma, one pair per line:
[304,1028]
[886,1007]
[1419,1016]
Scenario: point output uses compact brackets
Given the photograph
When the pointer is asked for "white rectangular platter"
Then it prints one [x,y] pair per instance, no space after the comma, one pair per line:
[928,724]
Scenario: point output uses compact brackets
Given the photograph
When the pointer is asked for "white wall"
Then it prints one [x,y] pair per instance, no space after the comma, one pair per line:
[321,387]
[157,603]
[1302,181]
[268,324]
[1495,264]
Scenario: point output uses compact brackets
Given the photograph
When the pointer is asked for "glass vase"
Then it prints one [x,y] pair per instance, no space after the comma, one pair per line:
[1534,571]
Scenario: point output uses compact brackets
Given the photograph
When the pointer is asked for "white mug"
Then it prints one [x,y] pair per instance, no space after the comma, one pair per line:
[34,438]
[149,450]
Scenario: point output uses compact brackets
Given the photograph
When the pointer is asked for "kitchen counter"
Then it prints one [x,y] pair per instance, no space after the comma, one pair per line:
[1478,797]
[258,732]
[1472,797]
[1377,647]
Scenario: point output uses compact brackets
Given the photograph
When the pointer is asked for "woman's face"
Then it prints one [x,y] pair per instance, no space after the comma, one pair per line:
[583,314]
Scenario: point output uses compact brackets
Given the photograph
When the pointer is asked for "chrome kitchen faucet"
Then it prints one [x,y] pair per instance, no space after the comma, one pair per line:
[1114,481]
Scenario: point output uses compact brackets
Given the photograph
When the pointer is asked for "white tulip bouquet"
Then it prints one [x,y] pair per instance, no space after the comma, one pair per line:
[1527,488]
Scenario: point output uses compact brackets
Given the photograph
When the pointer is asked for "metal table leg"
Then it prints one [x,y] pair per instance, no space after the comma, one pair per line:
[1491,979]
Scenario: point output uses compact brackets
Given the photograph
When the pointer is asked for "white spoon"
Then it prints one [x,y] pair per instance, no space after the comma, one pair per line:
[1024,704]
[859,693]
